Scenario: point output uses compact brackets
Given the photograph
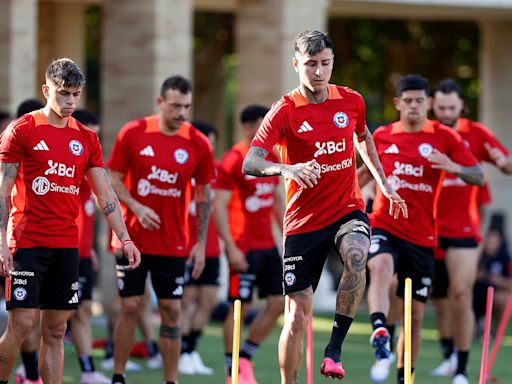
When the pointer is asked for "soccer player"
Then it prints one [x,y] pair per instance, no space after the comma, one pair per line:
[458,215]
[200,295]
[415,154]
[44,156]
[250,246]
[151,166]
[316,128]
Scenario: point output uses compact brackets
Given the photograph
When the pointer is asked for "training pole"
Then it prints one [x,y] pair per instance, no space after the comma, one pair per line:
[499,335]
[487,334]
[407,330]
[236,342]
[309,351]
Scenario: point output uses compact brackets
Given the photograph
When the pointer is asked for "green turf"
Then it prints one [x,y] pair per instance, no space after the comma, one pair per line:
[357,357]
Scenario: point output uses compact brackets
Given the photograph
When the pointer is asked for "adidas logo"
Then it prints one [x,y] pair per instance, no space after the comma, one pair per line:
[41,146]
[148,151]
[178,291]
[74,299]
[422,292]
[392,149]
[305,127]
[335,324]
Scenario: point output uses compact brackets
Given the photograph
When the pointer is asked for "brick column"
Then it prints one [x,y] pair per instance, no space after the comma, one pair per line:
[18,52]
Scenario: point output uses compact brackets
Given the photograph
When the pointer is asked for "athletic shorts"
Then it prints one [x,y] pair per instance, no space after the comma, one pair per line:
[210,275]
[410,260]
[441,280]
[85,279]
[167,276]
[44,278]
[454,242]
[305,253]
[265,272]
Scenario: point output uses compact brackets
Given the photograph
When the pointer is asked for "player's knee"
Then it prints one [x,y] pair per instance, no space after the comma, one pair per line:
[54,331]
[131,307]
[170,313]
[21,326]
[380,266]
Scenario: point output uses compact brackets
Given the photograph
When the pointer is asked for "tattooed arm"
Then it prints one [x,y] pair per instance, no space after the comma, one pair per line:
[470,175]
[366,148]
[304,174]
[109,204]
[203,209]
[8,174]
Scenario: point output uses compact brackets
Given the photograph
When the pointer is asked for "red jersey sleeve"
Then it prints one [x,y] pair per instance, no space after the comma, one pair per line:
[12,140]
[457,150]
[271,130]
[226,176]
[96,157]
[489,138]
[361,119]
[205,171]
[120,157]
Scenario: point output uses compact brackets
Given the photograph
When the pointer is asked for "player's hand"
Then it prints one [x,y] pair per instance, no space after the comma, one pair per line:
[396,203]
[304,174]
[196,258]
[496,155]
[237,259]
[441,161]
[131,252]
[6,262]
[148,218]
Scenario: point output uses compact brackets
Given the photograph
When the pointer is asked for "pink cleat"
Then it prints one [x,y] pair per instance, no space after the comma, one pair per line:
[330,368]
[246,375]
[38,381]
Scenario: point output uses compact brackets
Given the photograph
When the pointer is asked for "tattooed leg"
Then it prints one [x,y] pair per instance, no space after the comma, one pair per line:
[296,316]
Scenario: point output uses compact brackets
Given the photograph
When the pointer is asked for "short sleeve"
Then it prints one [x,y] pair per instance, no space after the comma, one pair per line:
[120,157]
[489,138]
[205,169]
[361,116]
[226,179]
[12,141]
[96,157]
[457,150]
[271,130]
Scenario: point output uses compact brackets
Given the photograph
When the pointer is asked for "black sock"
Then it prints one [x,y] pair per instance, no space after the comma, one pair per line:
[400,375]
[194,337]
[339,331]
[30,363]
[378,319]
[249,349]
[3,382]
[152,348]
[86,363]
[228,363]
[170,382]
[391,330]
[118,378]
[462,362]
[185,343]
[447,347]
[109,350]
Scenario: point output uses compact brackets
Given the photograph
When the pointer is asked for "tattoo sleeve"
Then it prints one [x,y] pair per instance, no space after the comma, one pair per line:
[256,165]
[368,152]
[472,175]
[203,206]
[8,174]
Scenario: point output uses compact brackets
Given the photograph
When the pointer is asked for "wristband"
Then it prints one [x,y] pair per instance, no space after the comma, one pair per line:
[127,242]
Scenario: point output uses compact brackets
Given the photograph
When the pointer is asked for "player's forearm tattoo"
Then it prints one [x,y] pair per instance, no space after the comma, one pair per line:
[109,208]
[472,175]
[8,174]
[354,248]
[4,211]
[370,156]
[203,214]
[9,170]
[256,165]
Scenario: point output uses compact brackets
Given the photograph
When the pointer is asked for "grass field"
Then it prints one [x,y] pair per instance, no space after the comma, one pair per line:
[357,357]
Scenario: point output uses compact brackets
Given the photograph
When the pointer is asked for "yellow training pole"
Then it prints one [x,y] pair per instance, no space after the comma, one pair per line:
[236,342]
[407,330]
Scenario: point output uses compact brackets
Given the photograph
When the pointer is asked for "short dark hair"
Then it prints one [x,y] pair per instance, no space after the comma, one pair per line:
[252,113]
[205,128]
[86,117]
[65,73]
[411,83]
[178,83]
[447,86]
[312,42]
[28,106]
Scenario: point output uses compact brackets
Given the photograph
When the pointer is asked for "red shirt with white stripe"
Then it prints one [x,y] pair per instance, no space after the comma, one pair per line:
[324,132]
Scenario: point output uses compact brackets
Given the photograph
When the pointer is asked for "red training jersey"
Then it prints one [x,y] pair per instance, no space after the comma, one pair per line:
[158,169]
[324,132]
[52,164]
[255,197]
[458,203]
[85,220]
[403,156]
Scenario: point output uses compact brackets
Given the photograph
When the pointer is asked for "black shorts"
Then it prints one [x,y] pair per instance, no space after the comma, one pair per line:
[454,242]
[44,278]
[305,253]
[85,279]
[210,275]
[410,260]
[441,280]
[265,272]
[167,276]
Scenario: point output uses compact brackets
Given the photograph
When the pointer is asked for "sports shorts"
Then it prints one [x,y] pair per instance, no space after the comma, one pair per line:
[265,272]
[305,253]
[454,242]
[167,276]
[85,279]
[410,260]
[44,278]
[210,275]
